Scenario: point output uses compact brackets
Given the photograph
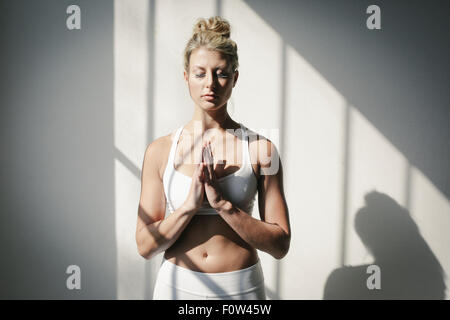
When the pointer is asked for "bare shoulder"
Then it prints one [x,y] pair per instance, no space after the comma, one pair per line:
[157,153]
[263,154]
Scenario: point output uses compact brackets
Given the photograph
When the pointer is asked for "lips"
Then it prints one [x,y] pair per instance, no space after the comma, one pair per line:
[209,96]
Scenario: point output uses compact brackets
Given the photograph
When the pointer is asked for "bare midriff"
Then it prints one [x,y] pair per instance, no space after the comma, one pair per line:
[208,244]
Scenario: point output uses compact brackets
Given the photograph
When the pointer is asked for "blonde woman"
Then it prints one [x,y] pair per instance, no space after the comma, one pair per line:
[208,181]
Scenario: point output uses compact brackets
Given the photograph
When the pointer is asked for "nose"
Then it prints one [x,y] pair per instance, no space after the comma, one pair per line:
[209,80]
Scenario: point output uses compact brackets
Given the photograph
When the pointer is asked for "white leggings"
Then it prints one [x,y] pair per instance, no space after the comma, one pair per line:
[178,283]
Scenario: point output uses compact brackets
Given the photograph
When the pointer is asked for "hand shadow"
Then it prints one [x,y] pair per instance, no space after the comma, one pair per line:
[408,267]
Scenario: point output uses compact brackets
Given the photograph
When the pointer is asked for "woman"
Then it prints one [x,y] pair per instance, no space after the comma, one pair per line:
[209,237]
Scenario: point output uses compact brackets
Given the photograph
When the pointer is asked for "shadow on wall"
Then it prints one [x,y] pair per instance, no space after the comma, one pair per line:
[57,190]
[408,267]
[395,77]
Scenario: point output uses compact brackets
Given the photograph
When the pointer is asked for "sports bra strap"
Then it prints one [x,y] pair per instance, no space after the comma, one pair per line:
[176,137]
[245,149]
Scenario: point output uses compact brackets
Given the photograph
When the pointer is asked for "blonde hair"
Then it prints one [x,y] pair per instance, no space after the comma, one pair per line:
[212,34]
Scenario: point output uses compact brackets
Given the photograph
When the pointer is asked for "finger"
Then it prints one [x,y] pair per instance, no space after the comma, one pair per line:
[200,171]
[209,154]
[209,165]
[205,172]
[206,159]
[204,153]
[211,169]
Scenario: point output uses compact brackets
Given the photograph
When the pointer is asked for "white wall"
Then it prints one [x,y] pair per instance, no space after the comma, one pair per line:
[352,110]
[333,155]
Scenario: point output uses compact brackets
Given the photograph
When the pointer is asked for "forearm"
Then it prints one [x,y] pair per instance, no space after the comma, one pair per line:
[159,236]
[264,236]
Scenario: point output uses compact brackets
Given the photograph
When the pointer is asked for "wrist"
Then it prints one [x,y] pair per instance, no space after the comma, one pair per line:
[224,206]
[186,209]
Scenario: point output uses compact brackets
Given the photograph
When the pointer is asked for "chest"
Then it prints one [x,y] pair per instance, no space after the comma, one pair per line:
[228,155]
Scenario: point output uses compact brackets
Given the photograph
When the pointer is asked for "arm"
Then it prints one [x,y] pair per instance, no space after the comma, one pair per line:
[272,233]
[154,234]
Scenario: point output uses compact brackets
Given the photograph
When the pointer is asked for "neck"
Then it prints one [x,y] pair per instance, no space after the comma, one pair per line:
[212,119]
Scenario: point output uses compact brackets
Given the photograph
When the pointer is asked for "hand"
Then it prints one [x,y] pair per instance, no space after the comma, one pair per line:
[212,188]
[196,193]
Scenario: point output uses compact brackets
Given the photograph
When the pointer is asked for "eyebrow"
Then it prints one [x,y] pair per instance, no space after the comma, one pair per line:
[219,67]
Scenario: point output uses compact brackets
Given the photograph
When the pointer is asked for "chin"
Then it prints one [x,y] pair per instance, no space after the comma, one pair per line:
[211,106]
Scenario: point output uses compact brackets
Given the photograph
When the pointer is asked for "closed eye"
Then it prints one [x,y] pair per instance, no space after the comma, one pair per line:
[220,75]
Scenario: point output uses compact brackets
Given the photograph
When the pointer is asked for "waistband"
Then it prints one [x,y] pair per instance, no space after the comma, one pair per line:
[202,283]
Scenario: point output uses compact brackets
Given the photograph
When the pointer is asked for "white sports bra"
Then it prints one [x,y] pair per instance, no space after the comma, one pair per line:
[239,187]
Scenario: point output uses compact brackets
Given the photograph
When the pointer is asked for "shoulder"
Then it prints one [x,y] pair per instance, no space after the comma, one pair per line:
[157,152]
[263,152]
[155,147]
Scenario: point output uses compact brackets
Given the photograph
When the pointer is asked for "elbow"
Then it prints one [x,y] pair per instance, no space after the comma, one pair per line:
[147,252]
[144,248]
[149,243]
[283,246]
[144,253]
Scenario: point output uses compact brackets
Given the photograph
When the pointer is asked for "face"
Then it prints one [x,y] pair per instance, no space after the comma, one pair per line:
[210,80]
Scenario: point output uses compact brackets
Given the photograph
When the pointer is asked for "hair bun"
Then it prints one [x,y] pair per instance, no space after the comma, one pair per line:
[214,24]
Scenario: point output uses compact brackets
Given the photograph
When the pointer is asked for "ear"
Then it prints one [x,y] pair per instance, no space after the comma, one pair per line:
[236,76]
[186,77]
